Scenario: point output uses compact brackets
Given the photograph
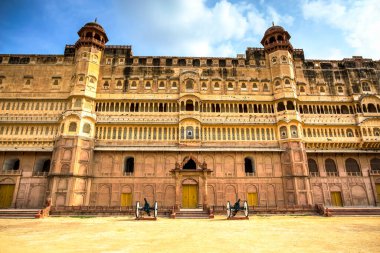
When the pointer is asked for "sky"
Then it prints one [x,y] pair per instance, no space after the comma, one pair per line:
[334,29]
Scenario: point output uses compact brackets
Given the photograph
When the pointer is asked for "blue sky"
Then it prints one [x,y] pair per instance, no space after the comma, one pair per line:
[324,29]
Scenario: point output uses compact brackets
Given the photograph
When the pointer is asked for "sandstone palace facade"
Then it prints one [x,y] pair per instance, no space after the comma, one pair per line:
[98,126]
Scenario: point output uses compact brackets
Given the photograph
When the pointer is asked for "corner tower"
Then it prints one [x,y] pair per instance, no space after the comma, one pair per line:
[279,57]
[70,181]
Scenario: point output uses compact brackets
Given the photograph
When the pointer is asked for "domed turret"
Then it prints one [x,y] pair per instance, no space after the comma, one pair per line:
[92,34]
[276,38]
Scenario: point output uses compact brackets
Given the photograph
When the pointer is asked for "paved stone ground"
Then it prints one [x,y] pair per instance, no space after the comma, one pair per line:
[259,234]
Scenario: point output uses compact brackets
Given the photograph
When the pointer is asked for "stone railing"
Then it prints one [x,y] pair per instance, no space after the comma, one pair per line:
[354,174]
[40,174]
[314,174]
[374,172]
[336,119]
[29,118]
[332,174]
[10,172]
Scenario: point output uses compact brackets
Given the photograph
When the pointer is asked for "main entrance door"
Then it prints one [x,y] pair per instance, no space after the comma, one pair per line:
[6,195]
[336,199]
[126,199]
[189,196]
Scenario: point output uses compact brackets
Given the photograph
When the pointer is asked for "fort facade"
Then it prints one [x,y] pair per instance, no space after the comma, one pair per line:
[98,126]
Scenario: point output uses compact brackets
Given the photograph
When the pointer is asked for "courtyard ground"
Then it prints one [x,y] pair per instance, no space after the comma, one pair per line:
[259,234]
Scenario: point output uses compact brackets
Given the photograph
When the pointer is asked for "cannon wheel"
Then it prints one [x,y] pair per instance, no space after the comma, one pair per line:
[245,205]
[228,209]
[137,209]
[155,209]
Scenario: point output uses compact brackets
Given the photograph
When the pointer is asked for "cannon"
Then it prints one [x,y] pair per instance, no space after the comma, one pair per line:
[233,210]
[146,208]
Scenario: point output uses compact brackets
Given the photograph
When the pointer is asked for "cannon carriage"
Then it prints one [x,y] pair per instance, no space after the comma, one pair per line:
[233,210]
[146,208]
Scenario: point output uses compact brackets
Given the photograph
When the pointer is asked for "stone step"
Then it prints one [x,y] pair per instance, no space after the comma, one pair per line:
[18,213]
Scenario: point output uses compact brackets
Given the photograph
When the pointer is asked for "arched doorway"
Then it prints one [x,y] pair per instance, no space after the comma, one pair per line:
[189,193]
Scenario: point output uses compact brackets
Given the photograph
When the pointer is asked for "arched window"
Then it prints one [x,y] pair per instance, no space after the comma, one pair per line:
[283,132]
[293,131]
[73,127]
[344,109]
[350,133]
[189,132]
[265,87]
[274,60]
[376,131]
[365,87]
[322,89]
[277,83]
[302,88]
[162,85]
[330,167]
[340,89]
[287,81]
[189,105]
[204,85]
[230,86]
[86,128]
[280,107]
[147,85]
[174,85]
[243,86]
[129,166]
[133,84]
[12,164]
[352,167]
[289,105]
[216,86]
[254,87]
[189,84]
[190,165]
[375,164]
[249,166]
[313,167]
[371,108]
[42,166]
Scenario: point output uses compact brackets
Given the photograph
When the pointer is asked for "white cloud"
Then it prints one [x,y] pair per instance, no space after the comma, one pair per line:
[359,21]
[184,27]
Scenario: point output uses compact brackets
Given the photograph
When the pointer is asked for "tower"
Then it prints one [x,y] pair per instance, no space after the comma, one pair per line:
[70,180]
[279,57]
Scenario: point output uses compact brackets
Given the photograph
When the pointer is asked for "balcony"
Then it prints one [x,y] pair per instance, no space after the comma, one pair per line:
[250,174]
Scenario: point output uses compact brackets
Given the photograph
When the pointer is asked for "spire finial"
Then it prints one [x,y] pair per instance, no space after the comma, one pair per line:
[96,19]
[272,23]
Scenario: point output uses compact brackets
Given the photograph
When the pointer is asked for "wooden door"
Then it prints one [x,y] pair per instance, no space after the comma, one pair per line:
[252,199]
[126,199]
[6,195]
[189,196]
[336,199]
[378,192]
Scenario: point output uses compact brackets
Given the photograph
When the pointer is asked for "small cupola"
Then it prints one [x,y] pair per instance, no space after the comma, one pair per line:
[276,38]
[92,34]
